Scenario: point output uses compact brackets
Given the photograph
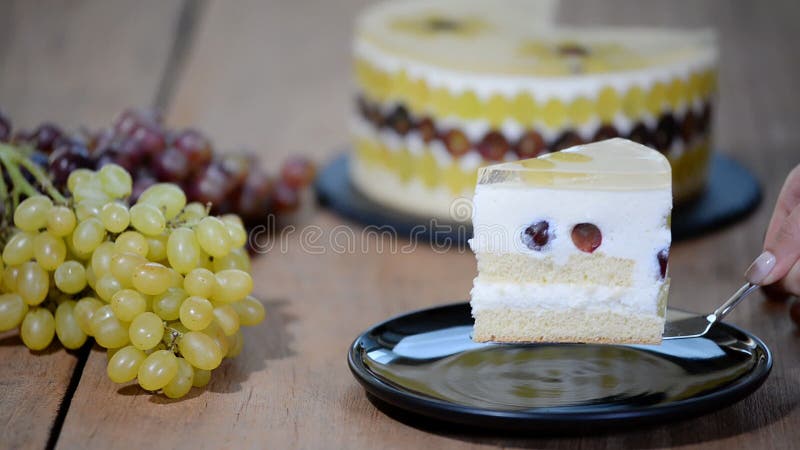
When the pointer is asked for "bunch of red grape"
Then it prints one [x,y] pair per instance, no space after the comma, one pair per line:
[139,141]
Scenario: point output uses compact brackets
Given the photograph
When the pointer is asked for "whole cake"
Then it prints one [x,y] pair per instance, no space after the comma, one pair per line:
[445,87]
[573,246]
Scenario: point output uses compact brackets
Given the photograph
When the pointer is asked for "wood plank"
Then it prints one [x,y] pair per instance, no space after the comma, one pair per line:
[77,62]
[274,76]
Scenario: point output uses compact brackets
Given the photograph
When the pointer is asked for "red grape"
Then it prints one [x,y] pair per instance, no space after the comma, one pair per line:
[194,146]
[255,197]
[46,136]
[150,138]
[587,237]
[663,260]
[493,146]
[170,165]
[537,236]
[67,157]
[141,181]
[298,172]
[210,185]
[130,119]
[285,198]
[236,167]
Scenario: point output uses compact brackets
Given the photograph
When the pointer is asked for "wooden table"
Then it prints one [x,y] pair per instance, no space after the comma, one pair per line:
[273,76]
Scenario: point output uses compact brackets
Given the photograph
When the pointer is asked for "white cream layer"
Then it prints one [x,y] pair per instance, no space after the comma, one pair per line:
[492,295]
[633,223]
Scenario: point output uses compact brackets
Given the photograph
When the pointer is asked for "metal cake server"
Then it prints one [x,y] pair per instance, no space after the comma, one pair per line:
[681,325]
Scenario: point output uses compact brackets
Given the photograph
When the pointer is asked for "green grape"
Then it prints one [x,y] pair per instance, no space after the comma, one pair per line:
[200,350]
[128,304]
[115,217]
[251,311]
[232,285]
[193,211]
[88,208]
[167,197]
[110,352]
[236,259]
[212,235]
[157,246]
[215,332]
[227,318]
[181,384]
[206,261]
[196,313]
[107,330]
[101,259]
[115,181]
[176,279]
[38,328]
[10,276]
[201,377]
[152,278]
[146,331]
[235,345]
[91,189]
[158,369]
[12,311]
[200,283]
[61,221]
[32,283]
[236,231]
[91,278]
[70,277]
[123,364]
[78,177]
[73,253]
[83,311]
[132,242]
[19,249]
[106,286]
[67,328]
[88,235]
[168,305]
[31,214]
[232,219]
[49,250]
[148,219]
[123,265]
[183,251]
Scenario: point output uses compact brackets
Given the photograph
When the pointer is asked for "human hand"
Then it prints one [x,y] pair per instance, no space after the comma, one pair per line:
[778,267]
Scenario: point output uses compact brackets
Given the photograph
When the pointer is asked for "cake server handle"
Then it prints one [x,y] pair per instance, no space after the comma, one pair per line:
[731,303]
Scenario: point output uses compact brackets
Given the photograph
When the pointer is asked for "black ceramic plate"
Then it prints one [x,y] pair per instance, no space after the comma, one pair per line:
[425,363]
[732,192]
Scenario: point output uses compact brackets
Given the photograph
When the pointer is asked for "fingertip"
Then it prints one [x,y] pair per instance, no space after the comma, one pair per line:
[761,268]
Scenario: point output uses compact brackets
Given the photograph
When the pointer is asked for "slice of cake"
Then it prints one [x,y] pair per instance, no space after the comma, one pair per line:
[573,246]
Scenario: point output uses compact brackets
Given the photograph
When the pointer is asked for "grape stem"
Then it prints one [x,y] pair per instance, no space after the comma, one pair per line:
[12,159]
[174,335]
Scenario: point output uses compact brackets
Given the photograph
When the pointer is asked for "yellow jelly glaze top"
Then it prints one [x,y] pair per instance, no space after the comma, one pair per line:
[613,164]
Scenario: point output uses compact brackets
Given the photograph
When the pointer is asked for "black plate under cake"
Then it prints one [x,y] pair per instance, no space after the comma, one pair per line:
[426,363]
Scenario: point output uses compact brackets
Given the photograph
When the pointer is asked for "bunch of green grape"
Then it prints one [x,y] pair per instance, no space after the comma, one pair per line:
[161,284]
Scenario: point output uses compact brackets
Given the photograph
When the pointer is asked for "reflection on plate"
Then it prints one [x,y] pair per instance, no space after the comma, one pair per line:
[426,363]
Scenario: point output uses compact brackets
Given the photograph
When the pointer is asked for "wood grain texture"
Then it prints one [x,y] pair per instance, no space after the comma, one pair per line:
[80,62]
[74,62]
[273,76]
